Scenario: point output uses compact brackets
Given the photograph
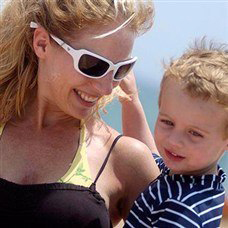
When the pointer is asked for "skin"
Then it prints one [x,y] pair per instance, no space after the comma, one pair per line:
[133,112]
[46,137]
[189,137]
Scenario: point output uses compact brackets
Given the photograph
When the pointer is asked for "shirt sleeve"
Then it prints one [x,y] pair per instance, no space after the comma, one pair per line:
[177,214]
[138,217]
[159,162]
[172,214]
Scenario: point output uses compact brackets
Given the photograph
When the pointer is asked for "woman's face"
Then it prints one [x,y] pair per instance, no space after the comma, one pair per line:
[67,90]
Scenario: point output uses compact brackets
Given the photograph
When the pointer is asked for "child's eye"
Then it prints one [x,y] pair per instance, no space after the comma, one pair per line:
[167,122]
[194,133]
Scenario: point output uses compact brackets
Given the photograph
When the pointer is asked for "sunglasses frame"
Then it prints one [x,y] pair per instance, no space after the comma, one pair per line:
[76,54]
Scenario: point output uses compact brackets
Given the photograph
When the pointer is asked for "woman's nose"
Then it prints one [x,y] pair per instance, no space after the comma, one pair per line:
[105,85]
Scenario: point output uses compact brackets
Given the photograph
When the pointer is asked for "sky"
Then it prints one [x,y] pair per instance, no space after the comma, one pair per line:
[177,24]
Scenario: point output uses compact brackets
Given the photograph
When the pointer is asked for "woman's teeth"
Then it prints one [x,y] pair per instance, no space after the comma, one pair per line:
[86,97]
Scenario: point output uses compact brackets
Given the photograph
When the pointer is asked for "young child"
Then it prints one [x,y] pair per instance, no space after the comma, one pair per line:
[191,135]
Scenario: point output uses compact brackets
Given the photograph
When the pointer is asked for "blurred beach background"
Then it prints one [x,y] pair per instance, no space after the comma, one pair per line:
[176,25]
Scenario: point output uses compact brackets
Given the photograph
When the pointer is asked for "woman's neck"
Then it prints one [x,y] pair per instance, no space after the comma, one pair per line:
[40,115]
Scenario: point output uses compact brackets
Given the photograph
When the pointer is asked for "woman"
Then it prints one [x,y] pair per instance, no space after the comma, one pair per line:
[60,61]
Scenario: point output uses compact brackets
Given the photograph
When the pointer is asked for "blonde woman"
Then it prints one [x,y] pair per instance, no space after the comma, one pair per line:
[60,62]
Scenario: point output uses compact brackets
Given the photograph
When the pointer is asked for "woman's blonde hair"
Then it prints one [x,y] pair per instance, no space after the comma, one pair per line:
[18,62]
[203,72]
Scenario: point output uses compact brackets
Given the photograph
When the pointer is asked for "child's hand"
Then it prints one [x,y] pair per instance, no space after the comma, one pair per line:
[129,86]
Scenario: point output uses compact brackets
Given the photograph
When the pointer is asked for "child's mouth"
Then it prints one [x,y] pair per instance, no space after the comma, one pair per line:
[173,156]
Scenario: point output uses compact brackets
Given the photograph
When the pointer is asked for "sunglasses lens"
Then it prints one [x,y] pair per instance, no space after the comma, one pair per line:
[123,71]
[92,66]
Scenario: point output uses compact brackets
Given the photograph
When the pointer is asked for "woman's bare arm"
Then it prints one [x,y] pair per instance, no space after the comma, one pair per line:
[136,168]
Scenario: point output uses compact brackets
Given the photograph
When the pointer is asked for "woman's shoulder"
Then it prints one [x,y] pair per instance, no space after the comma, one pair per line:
[130,153]
[132,149]
[134,157]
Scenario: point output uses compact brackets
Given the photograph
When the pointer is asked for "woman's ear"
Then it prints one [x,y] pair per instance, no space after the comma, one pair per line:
[41,40]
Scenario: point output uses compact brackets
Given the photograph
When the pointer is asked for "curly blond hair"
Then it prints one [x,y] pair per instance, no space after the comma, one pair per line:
[203,72]
[18,62]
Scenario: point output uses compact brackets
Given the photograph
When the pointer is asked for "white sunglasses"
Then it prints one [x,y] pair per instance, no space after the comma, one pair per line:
[92,65]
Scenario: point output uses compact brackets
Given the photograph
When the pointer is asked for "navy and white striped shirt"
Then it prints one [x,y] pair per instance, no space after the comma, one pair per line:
[179,201]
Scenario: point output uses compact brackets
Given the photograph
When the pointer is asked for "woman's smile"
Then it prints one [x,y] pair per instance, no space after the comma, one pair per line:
[85,98]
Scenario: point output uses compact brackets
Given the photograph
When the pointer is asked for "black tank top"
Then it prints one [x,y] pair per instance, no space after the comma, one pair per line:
[54,204]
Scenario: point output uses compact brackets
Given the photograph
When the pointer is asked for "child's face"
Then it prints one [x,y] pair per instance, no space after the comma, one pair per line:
[189,131]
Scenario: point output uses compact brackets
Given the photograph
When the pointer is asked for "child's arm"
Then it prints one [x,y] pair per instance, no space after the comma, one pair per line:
[134,123]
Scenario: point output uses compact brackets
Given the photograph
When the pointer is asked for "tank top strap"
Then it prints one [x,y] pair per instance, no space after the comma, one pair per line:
[105,161]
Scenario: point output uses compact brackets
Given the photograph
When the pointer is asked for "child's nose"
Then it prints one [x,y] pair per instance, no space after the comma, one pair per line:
[175,140]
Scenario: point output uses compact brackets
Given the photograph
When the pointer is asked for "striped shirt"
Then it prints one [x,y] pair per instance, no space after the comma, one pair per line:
[176,200]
